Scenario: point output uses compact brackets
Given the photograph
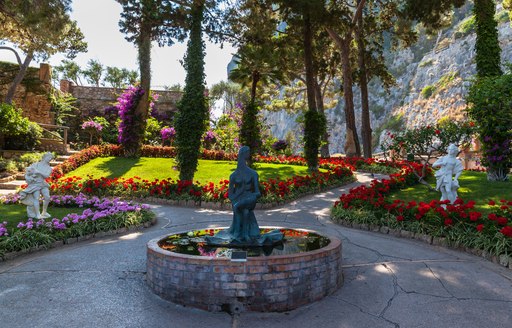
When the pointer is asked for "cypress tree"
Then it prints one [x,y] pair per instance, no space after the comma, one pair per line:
[192,110]
[487,45]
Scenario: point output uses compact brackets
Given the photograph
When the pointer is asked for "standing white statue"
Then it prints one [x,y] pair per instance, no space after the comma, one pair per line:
[450,168]
[35,176]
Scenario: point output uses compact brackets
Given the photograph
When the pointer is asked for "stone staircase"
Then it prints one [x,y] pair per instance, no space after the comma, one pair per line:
[12,183]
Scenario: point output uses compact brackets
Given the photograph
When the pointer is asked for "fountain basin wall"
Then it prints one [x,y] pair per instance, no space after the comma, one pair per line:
[263,283]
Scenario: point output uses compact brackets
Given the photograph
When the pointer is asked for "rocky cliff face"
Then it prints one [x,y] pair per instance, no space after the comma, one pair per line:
[432,79]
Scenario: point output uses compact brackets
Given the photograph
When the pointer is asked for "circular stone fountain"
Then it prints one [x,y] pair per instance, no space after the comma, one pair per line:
[208,279]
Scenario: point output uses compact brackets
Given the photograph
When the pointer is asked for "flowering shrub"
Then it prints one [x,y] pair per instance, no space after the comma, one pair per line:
[92,128]
[132,126]
[126,105]
[98,215]
[459,223]
[3,229]
[280,145]
[209,139]
[168,134]
[489,105]
[91,125]
[426,142]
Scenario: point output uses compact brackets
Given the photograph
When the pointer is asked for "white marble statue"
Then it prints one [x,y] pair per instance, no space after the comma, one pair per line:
[450,168]
[35,176]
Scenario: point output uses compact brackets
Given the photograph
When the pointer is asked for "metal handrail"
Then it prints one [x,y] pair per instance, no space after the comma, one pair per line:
[46,128]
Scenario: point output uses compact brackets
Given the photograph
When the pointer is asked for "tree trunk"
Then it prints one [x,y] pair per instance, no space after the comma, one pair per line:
[19,77]
[311,132]
[352,147]
[142,109]
[254,85]
[324,147]
[308,65]
[366,129]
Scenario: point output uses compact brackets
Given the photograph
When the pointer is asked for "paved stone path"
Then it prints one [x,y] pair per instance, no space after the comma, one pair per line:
[389,282]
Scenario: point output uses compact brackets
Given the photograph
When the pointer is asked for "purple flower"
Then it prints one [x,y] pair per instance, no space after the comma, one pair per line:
[3,229]
[91,125]
[210,136]
[168,133]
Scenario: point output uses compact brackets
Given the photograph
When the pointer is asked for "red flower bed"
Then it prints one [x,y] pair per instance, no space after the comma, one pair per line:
[272,190]
[435,218]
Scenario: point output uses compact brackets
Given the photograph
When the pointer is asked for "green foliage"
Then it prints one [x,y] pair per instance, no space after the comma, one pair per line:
[394,123]
[69,70]
[18,131]
[63,106]
[487,44]
[26,159]
[445,80]
[27,138]
[42,28]
[431,13]
[490,100]
[93,72]
[13,122]
[466,26]
[502,16]
[426,63]
[18,164]
[7,165]
[250,129]
[507,4]
[120,77]
[152,132]
[109,132]
[192,113]
[227,132]
[423,142]
[378,110]
[428,91]
[440,85]
[314,127]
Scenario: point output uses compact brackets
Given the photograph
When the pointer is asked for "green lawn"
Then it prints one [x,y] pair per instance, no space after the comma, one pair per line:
[13,214]
[474,186]
[163,168]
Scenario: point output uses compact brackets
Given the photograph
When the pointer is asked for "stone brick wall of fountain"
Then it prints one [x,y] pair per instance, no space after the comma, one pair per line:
[264,283]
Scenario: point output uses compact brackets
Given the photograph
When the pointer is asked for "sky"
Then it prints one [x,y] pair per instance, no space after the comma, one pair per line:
[98,20]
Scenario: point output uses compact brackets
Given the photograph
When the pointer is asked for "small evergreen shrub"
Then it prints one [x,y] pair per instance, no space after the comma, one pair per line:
[428,91]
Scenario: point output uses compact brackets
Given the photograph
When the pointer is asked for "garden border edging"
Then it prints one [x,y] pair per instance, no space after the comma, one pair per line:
[503,260]
[58,243]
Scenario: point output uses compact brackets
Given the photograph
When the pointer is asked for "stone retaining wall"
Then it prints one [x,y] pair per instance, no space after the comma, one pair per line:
[263,283]
[96,99]
[32,93]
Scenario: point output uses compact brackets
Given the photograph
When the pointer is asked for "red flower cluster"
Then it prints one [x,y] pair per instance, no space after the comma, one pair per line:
[433,214]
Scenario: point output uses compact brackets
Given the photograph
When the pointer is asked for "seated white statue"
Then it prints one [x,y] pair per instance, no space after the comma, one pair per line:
[35,176]
[450,168]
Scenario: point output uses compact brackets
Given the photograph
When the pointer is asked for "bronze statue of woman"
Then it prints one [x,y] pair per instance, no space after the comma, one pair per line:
[244,192]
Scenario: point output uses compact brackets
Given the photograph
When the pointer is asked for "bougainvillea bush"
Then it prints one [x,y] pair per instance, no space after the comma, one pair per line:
[95,215]
[459,223]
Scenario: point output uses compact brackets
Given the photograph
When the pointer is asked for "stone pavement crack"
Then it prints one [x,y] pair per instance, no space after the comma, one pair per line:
[439,280]
[396,291]
[368,313]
